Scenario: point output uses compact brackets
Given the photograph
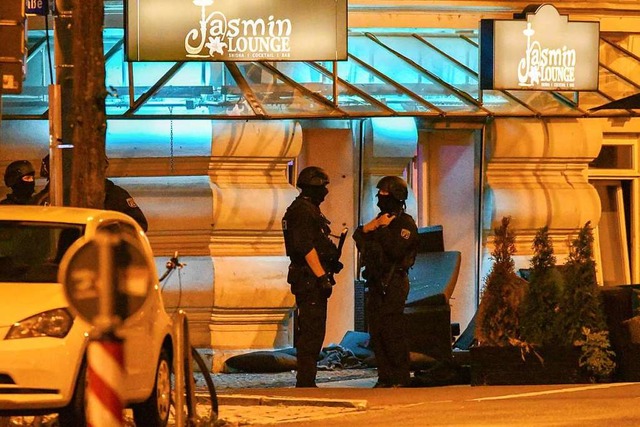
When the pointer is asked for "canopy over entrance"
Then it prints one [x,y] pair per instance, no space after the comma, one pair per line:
[631,102]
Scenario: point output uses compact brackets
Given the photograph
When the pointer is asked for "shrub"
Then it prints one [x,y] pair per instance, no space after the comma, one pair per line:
[539,313]
[596,355]
[582,316]
[497,319]
[581,306]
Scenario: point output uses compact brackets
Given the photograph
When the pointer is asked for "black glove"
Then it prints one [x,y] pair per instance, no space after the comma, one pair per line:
[336,267]
[325,285]
[324,282]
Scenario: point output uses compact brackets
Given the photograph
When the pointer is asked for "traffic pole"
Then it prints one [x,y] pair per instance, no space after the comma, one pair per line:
[105,375]
[96,276]
[105,355]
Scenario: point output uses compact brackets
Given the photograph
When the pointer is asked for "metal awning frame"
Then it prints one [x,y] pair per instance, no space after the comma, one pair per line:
[248,91]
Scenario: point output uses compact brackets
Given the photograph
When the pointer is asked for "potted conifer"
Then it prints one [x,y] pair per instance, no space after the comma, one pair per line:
[549,331]
[497,320]
[539,312]
[583,322]
[497,352]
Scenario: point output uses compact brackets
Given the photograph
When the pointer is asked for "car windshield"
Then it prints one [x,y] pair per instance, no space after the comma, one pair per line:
[31,251]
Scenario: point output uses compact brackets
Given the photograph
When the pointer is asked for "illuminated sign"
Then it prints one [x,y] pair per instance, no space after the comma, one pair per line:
[542,52]
[232,30]
[38,7]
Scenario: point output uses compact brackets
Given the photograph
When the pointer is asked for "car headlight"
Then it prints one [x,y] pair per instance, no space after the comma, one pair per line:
[53,323]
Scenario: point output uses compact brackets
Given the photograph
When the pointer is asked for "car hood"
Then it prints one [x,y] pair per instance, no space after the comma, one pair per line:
[21,300]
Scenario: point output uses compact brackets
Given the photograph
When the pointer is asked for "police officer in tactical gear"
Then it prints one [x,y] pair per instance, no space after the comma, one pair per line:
[388,247]
[314,260]
[116,198]
[19,176]
[42,196]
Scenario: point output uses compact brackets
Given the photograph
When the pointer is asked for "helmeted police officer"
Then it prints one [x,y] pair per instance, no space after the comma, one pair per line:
[314,259]
[19,176]
[42,196]
[116,198]
[388,247]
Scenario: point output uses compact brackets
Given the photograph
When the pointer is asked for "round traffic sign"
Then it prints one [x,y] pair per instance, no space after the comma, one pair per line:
[127,284]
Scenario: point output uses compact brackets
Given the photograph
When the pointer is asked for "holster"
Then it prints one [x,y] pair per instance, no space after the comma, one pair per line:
[300,278]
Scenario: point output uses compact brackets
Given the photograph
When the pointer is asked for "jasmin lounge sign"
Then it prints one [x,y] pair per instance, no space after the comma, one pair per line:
[235,30]
[541,51]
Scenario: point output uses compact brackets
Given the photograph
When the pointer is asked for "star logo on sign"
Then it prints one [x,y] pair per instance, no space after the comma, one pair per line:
[215,45]
[534,74]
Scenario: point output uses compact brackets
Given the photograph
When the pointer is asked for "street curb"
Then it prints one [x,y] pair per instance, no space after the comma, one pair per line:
[257,400]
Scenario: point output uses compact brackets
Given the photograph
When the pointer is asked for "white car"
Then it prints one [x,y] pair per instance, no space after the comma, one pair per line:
[43,345]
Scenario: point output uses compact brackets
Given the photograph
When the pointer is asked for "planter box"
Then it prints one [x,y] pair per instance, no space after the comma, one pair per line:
[504,366]
[620,305]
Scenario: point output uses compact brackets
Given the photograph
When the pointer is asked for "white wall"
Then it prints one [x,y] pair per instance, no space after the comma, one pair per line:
[450,197]
[333,150]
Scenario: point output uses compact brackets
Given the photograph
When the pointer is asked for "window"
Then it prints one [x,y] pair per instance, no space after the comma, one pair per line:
[31,252]
[612,232]
[615,174]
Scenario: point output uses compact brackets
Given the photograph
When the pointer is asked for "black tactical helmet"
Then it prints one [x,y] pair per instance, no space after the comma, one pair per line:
[313,176]
[395,186]
[16,170]
[44,167]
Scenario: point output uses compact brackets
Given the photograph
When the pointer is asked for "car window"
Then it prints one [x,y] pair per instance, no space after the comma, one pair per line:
[122,257]
[120,227]
[31,251]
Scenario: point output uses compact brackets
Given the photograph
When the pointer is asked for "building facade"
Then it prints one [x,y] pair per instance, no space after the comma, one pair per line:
[210,151]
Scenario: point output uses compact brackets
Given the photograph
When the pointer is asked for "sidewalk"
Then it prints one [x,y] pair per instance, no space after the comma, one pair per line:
[226,383]
[243,400]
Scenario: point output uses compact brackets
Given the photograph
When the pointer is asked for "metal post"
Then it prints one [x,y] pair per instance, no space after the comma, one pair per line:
[190,384]
[178,363]
[63,31]
[105,376]
[335,83]
[55,141]
[183,371]
[105,356]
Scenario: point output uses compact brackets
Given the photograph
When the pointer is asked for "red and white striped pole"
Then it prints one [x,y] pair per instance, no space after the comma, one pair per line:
[105,355]
[105,375]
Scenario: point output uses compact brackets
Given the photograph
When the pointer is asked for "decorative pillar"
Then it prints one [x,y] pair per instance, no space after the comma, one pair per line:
[251,298]
[536,172]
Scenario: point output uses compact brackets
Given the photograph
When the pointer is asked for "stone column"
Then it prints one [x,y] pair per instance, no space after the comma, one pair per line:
[536,172]
[251,298]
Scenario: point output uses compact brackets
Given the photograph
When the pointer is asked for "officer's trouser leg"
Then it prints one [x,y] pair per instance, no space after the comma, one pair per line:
[312,316]
[374,307]
[396,349]
[397,333]
[389,336]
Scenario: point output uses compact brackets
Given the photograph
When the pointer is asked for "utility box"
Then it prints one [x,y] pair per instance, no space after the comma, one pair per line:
[622,311]
[432,281]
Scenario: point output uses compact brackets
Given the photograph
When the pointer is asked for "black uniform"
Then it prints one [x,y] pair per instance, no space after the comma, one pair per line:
[116,199]
[41,198]
[13,199]
[387,254]
[305,228]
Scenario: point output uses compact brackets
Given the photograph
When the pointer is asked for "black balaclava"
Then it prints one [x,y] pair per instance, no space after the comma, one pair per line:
[388,204]
[315,193]
[24,189]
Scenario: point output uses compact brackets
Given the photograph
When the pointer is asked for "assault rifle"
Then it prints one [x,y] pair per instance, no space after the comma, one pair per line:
[342,238]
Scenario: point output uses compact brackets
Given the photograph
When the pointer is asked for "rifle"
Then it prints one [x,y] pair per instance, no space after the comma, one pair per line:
[343,237]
